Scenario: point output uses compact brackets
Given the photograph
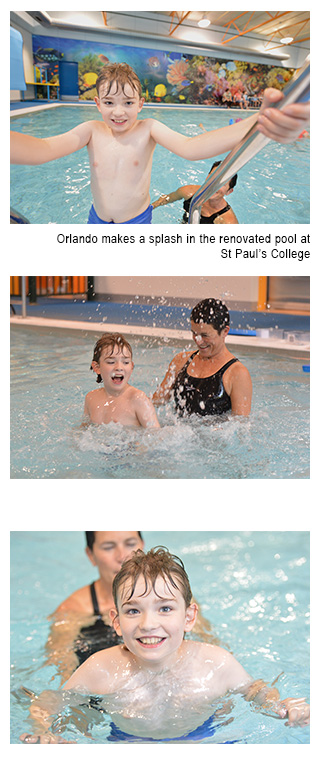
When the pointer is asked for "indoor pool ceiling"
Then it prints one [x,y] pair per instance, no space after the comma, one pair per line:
[229,29]
[271,25]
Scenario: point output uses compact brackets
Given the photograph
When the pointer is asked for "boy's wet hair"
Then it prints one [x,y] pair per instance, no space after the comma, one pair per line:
[232,181]
[122,75]
[112,341]
[211,311]
[157,563]
[90,538]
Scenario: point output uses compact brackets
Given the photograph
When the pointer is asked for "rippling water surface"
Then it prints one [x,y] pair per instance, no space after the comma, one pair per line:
[272,188]
[50,376]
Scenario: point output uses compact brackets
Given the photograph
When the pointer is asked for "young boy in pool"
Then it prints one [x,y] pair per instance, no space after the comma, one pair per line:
[156,684]
[117,401]
[121,146]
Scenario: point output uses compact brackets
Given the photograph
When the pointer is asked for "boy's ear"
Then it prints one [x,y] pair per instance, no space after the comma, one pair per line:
[141,102]
[97,102]
[191,616]
[95,367]
[114,617]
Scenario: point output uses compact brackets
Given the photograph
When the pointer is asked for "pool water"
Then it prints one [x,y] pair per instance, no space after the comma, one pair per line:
[253,587]
[50,376]
[272,188]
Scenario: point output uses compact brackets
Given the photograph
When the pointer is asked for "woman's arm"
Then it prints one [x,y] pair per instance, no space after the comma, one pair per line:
[163,391]
[241,390]
[174,196]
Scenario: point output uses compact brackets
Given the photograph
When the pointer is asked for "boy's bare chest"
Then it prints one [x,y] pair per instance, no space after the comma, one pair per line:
[159,709]
[130,154]
[118,410]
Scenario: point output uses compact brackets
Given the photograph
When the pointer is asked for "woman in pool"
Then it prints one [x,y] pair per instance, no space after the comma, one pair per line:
[209,380]
[215,210]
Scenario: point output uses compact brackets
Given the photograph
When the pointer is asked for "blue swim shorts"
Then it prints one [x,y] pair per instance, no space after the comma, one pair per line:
[205,730]
[144,217]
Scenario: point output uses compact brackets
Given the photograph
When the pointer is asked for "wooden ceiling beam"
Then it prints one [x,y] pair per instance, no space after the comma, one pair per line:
[181,19]
[252,29]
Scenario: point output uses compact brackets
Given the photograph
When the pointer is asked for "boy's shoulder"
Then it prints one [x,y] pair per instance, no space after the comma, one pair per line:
[98,392]
[135,392]
[137,396]
[205,650]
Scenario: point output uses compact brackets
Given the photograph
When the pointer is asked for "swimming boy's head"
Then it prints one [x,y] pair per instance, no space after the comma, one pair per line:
[151,566]
[212,312]
[109,345]
[119,75]
[153,607]
[119,97]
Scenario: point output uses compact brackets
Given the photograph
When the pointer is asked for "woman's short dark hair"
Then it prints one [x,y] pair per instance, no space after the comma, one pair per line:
[232,181]
[90,538]
[211,311]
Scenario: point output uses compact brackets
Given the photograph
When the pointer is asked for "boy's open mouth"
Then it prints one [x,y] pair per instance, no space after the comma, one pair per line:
[117,378]
[151,641]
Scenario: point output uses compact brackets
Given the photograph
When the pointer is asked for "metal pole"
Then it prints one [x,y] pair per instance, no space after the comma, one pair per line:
[24,297]
[32,289]
[90,288]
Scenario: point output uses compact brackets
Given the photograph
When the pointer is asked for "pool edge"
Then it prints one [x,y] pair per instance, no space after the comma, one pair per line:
[301,351]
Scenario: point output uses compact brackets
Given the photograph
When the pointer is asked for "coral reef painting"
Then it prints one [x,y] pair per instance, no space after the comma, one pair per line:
[167,77]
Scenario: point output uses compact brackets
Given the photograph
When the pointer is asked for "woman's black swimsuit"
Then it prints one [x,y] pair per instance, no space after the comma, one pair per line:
[203,218]
[201,395]
[96,637]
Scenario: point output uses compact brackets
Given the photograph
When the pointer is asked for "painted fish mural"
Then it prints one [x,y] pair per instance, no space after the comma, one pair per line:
[166,76]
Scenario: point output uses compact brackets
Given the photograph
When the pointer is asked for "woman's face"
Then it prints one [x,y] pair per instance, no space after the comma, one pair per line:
[208,340]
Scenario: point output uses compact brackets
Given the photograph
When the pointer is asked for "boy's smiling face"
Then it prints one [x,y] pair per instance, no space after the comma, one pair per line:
[153,623]
[119,108]
[115,366]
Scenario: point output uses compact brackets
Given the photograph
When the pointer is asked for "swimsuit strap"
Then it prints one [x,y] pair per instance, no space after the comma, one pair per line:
[94,600]
[226,365]
[206,218]
[219,371]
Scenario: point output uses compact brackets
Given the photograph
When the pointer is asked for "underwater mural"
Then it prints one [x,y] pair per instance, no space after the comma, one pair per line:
[166,77]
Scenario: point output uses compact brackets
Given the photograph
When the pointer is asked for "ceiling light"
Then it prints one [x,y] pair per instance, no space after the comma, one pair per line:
[204,22]
[286,40]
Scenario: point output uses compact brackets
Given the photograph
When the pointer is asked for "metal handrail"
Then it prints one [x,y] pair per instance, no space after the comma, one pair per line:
[298,89]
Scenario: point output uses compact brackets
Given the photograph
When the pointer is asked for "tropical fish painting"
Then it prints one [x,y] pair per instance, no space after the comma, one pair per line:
[166,76]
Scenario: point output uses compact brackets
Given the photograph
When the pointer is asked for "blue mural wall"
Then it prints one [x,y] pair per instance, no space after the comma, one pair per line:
[167,77]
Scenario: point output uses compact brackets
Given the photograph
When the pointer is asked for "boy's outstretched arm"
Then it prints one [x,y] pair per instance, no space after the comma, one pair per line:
[295,710]
[43,711]
[282,126]
[26,149]
[88,678]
